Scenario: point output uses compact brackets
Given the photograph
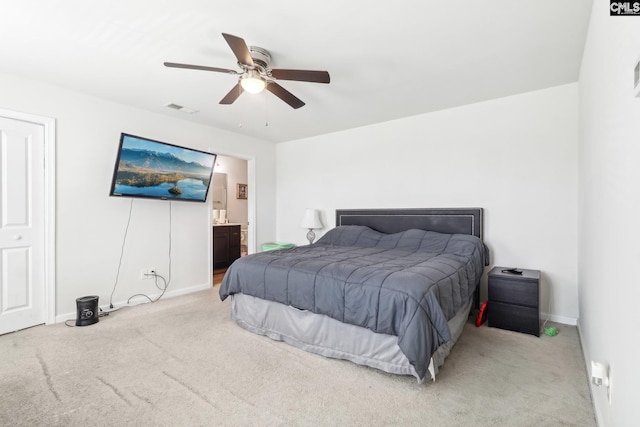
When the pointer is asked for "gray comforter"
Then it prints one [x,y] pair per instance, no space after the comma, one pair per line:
[407,284]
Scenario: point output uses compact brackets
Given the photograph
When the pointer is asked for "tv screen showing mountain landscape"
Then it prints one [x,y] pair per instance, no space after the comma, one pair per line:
[147,168]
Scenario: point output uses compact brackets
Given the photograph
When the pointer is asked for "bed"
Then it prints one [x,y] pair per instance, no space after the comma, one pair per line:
[390,289]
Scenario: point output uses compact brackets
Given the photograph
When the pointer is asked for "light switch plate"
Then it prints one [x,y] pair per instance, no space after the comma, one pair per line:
[636,79]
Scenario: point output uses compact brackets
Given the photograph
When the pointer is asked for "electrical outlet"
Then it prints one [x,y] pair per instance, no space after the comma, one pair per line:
[147,273]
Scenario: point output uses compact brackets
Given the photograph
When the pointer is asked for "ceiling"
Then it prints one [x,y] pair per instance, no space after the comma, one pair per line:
[387,60]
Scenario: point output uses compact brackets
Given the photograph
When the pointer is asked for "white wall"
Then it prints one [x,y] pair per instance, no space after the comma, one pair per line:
[609,205]
[515,157]
[90,224]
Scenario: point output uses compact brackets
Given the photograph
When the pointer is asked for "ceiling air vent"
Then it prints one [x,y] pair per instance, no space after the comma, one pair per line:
[181,108]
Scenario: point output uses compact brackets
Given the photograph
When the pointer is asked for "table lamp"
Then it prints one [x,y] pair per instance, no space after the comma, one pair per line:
[311,221]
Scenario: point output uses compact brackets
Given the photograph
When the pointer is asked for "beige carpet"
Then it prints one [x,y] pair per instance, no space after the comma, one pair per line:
[183,362]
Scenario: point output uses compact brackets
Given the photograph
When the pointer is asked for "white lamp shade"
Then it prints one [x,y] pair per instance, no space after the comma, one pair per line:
[311,219]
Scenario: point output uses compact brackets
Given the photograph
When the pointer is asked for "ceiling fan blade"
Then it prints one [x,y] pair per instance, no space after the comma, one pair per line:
[232,95]
[284,94]
[301,75]
[200,67]
[239,48]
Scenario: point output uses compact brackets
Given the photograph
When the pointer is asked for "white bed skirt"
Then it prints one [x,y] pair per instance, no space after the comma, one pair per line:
[320,334]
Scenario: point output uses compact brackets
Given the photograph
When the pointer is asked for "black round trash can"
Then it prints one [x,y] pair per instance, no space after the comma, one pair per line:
[87,310]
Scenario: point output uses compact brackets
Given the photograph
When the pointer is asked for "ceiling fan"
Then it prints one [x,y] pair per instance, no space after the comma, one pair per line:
[256,74]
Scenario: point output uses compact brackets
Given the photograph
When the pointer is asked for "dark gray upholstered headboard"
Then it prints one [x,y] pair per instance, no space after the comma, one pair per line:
[451,221]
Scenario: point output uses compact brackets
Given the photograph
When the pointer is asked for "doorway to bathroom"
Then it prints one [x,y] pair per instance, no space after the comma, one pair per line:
[230,213]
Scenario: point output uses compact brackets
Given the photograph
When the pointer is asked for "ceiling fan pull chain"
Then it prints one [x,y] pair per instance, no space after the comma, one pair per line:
[239,111]
[266,110]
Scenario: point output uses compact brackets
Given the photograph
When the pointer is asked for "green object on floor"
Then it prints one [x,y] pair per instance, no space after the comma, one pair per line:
[272,246]
[551,331]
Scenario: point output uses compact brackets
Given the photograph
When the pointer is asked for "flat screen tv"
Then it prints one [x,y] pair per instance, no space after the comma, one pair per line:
[157,170]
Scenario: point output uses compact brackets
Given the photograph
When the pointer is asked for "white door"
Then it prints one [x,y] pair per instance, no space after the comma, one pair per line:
[22,267]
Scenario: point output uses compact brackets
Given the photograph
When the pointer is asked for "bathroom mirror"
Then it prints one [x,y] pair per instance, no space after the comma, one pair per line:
[219,191]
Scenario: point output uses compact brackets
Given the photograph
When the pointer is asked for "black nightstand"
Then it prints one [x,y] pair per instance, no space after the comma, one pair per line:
[514,300]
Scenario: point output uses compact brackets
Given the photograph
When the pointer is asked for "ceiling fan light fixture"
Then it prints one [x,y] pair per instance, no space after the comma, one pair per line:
[257,74]
[252,82]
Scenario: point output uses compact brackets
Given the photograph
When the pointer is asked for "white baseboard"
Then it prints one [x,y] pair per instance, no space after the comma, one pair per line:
[587,366]
[138,300]
[565,320]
